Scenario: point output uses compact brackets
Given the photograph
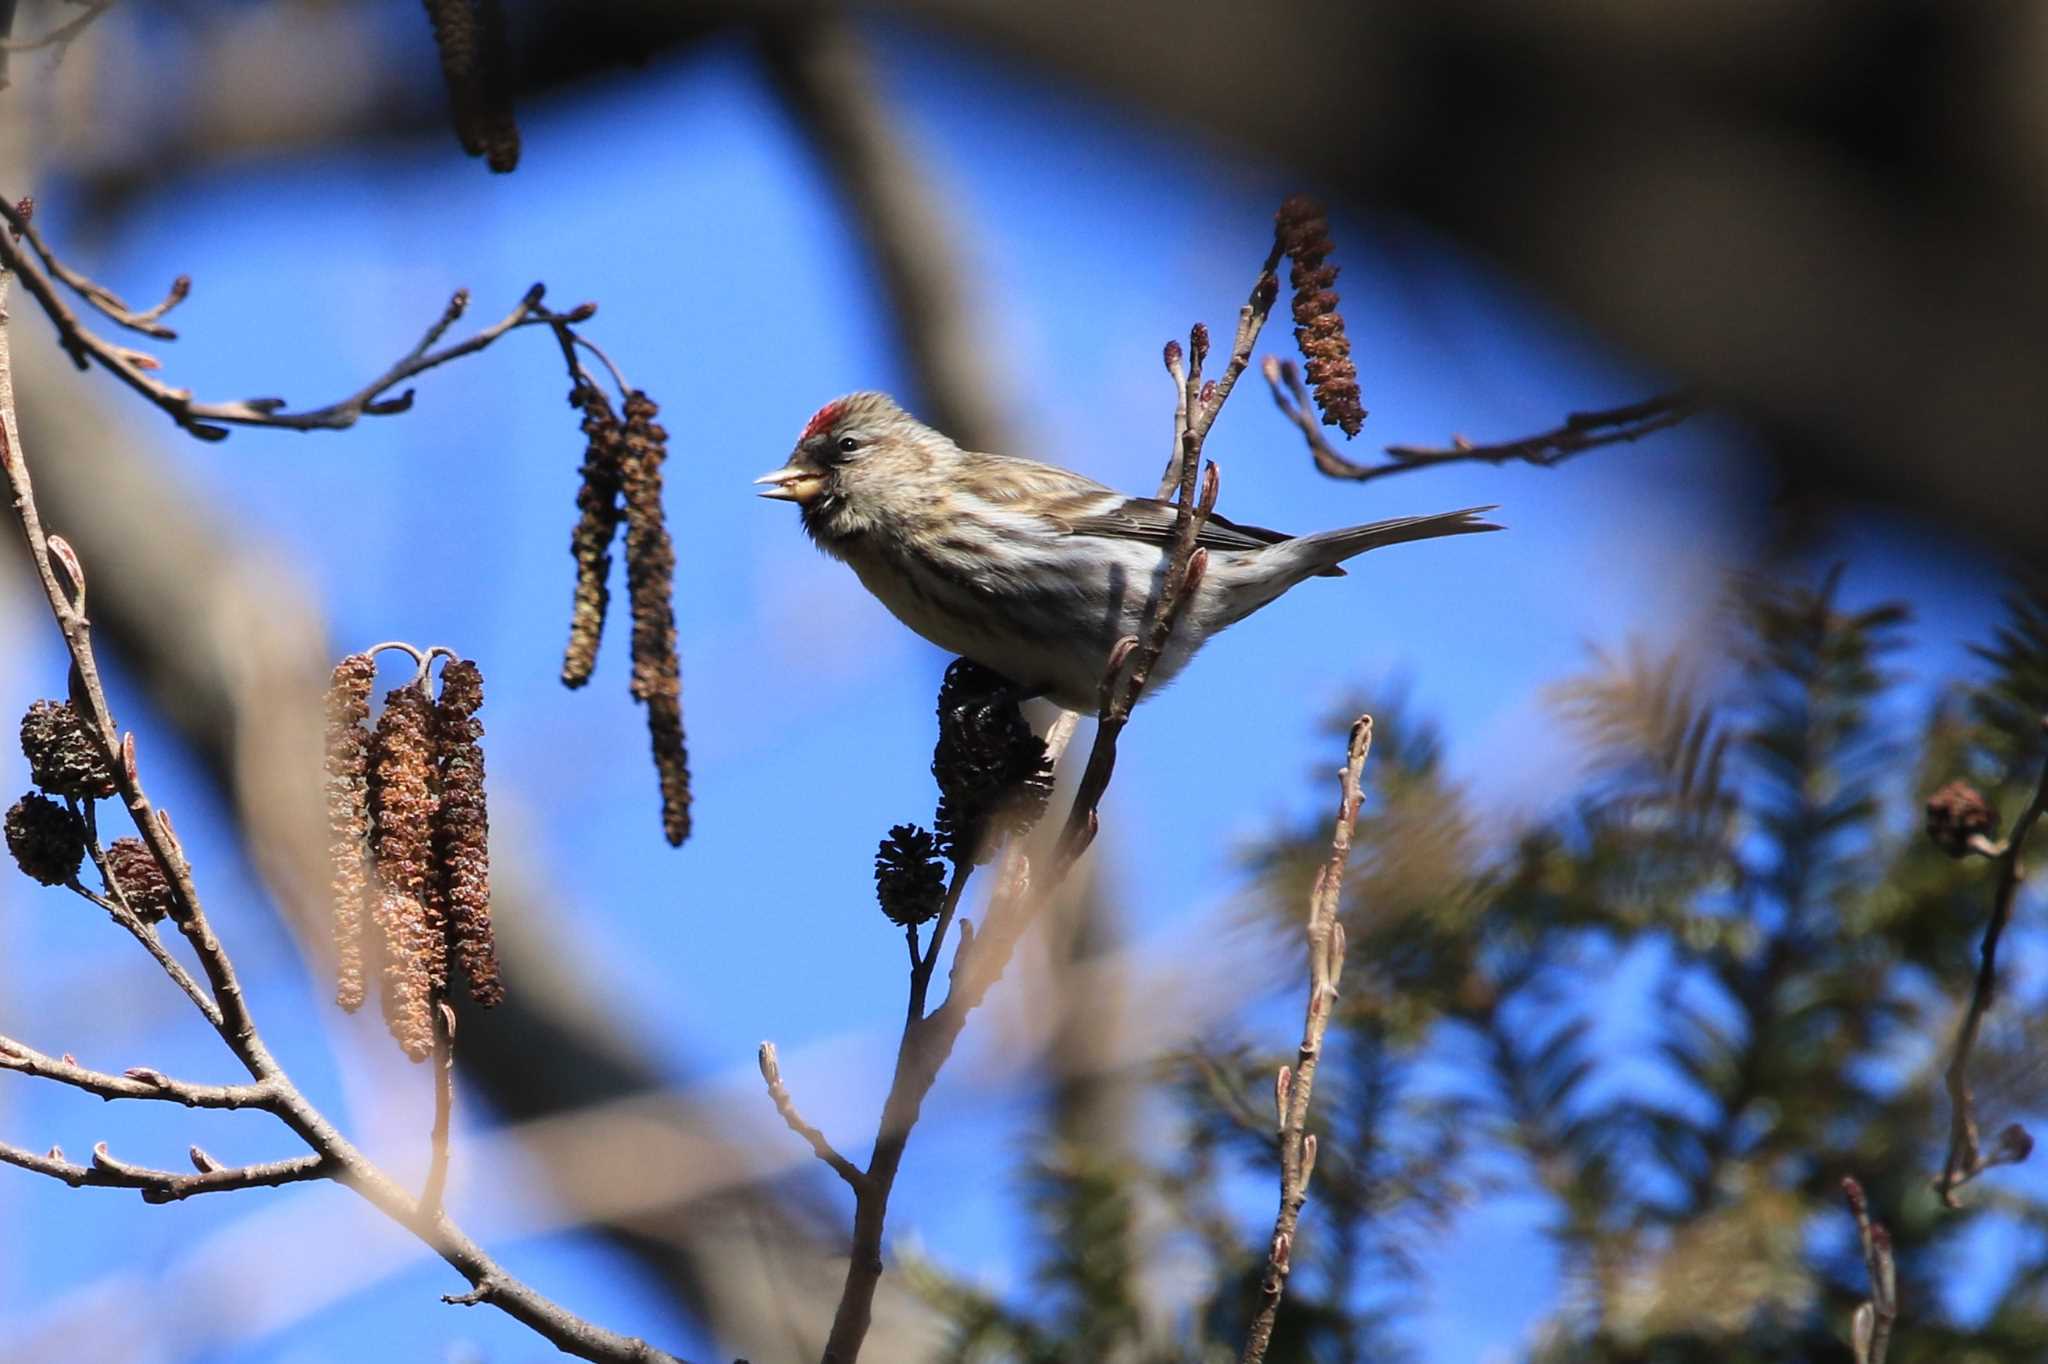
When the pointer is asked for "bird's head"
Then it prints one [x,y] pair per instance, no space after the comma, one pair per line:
[854,454]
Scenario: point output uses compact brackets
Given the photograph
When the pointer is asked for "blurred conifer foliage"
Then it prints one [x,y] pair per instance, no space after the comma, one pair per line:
[1727,973]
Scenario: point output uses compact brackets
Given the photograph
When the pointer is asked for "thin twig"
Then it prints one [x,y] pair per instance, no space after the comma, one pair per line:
[1871,1330]
[1966,1159]
[771,1073]
[211,420]
[166,1186]
[139,1082]
[1293,1086]
[333,1154]
[443,1062]
[1582,431]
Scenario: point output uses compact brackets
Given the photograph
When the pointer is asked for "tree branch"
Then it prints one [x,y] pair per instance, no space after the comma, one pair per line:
[1581,431]
[168,1186]
[1292,1088]
[1966,1158]
[1871,1330]
[771,1073]
[211,420]
[139,1082]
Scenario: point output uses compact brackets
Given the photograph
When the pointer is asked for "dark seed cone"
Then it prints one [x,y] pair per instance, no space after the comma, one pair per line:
[348,818]
[415,948]
[63,757]
[993,773]
[650,575]
[910,881]
[598,514]
[457,40]
[470,37]
[1956,814]
[1304,234]
[47,839]
[143,883]
[498,130]
[462,833]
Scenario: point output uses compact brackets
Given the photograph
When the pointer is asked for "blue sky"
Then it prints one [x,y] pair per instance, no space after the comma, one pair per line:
[731,289]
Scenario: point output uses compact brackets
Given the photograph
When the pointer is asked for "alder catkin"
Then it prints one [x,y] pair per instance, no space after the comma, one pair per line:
[598,514]
[462,827]
[650,573]
[403,803]
[348,818]
[1304,234]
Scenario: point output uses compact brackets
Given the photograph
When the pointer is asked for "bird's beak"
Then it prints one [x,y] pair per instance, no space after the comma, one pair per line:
[792,483]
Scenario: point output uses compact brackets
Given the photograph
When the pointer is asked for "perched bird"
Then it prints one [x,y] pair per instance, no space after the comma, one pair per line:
[1031,570]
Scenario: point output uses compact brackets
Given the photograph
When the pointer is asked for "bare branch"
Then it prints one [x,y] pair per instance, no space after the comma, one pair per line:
[1871,1331]
[771,1073]
[139,1082]
[1966,1156]
[1293,1086]
[211,420]
[1582,431]
[167,1186]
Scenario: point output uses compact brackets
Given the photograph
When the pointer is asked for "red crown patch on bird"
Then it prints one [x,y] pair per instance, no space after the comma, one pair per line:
[821,420]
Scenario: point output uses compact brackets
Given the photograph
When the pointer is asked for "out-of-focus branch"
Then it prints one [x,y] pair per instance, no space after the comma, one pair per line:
[1871,1331]
[778,1093]
[1966,1157]
[168,1186]
[822,71]
[60,37]
[1292,1087]
[1581,431]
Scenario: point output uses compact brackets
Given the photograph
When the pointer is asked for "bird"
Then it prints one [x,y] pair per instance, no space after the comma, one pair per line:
[1028,569]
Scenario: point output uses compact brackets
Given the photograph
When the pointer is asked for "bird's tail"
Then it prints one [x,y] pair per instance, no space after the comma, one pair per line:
[1320,554]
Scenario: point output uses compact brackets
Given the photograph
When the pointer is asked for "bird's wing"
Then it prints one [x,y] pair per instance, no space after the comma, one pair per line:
[1077,505]
[1149,519]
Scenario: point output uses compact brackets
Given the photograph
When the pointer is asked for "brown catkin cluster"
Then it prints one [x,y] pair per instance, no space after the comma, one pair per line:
[1303,232]
[411,841]
[402,809]
[475,64]
[64,758]
[46,839]
[622,484]
[462,832]
[143,884]
[650,571]
[597,522]
[348,818]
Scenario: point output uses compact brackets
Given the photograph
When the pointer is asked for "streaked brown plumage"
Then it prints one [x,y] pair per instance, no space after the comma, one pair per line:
[1028,569]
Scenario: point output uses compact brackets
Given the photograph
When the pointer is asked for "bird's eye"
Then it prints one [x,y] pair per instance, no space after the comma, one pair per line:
[847,445]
